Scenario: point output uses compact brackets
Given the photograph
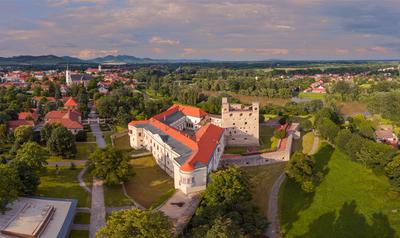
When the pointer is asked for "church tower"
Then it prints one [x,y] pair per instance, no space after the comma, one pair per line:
[68,79]
[99,68]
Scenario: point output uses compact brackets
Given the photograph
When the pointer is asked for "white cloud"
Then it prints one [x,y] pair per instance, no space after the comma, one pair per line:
[161,41]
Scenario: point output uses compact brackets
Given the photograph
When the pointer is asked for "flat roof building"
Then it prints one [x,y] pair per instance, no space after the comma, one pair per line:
[34,217]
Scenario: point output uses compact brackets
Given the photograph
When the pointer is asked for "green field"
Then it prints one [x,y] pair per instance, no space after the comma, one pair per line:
[82,218]
[149,183]
[84,150]
[63,185]
[308,141]
[114,196]
[350,201]
[313,96]
[122,143]
[78,234]
[262,178]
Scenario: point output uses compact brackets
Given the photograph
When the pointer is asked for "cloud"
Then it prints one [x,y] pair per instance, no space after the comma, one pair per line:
[91,53]
[272,51]
[161,41]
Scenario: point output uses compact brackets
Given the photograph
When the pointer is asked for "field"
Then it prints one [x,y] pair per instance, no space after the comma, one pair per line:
[84,150]
[122,143]
[350,201]
[63,185]
[262,179]
[352,108]
[149,182]
[114,196]
[249,99]
[308,141]
[78,234]
[82,218]
[313,96]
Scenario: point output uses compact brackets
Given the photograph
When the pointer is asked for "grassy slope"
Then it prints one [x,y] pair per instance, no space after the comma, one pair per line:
[262,179]
[149,183]
[114,196]
[347,202]
[63,185]
[308,141]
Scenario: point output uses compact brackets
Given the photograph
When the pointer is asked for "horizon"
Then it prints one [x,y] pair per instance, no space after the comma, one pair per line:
[236,30]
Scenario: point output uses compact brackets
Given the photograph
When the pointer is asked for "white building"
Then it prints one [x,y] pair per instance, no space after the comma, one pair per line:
[182,143]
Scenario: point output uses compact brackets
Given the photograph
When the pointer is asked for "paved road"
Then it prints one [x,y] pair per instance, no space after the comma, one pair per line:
[95,127]
[98,210]
[272,213]
[82,182]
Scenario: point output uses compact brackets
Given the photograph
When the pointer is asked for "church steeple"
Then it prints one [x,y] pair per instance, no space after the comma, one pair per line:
[68,79]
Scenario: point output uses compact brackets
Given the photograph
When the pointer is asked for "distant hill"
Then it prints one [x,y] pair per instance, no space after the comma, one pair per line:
[110,59]
[40,60]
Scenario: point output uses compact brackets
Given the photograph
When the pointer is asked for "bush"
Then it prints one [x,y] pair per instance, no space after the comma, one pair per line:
[280,134]
[81,136]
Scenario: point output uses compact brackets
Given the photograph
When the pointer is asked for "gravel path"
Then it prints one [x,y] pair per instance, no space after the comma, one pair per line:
[272,214]
[315,146]
[98,210]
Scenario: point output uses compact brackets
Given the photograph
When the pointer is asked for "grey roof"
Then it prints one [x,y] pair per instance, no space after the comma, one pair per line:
[80,77]
[172,117]
[184,151]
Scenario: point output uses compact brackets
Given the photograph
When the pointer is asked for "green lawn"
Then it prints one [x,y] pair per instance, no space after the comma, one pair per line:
[262,179]
[235,150]
[63,185]
[350,201]
[90,137]
[266,133]
[313,96]
[114,196]
[78,234]
[149,183]
[82,218]
[107,137]
[122,143]
[308,141]
[84,150]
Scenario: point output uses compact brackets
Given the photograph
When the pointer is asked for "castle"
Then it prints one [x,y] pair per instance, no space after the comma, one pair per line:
[187,143]
[241,123]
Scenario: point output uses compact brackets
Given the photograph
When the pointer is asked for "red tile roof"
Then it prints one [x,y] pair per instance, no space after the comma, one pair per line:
[71,102]
[16,123]
[68,118]
[187,110]
[26,115]
[48,99]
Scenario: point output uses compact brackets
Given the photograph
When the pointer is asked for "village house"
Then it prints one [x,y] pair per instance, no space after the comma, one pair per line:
[69,118]
[385,134]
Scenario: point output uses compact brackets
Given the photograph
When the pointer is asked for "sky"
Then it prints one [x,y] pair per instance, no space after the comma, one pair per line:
[202,29]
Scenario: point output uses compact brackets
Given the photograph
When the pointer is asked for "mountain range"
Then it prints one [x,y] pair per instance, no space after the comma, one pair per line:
[109,59]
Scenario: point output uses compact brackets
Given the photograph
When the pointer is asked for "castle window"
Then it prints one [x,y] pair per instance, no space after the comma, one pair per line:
[250,114]
[230,114]
[241,114]
[245,138]
[140,134]
[234,123]
[245,123]
[130,131]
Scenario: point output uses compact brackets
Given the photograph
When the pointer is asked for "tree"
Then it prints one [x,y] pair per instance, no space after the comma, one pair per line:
[28,176]
[392,170]
[229,196]
[110,165]
[33,155]
[280,134]
[342,139]
[136,223]
[45,132]
[328,129]
[221,228]
[3,133]
[62,142]
[23,134]
[9,186]
[229,187]
[301,169]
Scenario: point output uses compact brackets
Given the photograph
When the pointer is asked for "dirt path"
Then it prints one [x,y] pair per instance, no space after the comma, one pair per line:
[98,210]
[315,146]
